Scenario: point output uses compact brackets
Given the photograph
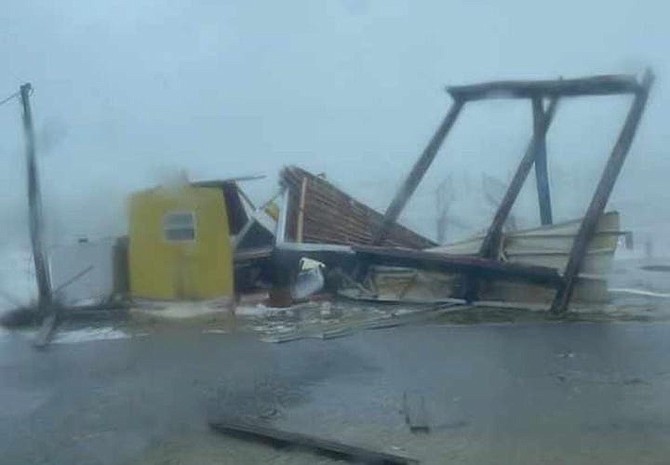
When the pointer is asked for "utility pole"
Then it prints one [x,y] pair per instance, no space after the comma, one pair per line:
[35,220]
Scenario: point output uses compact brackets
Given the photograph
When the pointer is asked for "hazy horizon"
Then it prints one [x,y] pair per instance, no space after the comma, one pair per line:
[128,92]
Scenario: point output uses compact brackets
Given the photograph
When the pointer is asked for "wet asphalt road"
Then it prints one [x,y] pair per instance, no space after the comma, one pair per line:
[578,393]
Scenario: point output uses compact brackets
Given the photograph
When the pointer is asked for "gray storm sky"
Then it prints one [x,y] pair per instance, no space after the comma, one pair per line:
[128,92]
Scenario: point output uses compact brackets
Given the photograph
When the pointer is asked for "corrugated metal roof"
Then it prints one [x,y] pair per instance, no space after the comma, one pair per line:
[331,216]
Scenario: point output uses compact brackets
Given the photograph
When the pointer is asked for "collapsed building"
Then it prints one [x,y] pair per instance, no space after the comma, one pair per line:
[206,240]
[549,264]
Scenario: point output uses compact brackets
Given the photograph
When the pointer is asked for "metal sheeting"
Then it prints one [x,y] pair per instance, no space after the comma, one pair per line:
[550,246]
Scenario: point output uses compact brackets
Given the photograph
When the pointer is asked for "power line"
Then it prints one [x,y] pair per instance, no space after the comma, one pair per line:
[15,94]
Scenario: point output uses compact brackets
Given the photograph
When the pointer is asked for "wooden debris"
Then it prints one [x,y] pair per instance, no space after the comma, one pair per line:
[278,437]
[416,415]
[661,268]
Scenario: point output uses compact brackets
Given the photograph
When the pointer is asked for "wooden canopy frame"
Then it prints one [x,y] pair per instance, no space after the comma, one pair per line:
[544,97]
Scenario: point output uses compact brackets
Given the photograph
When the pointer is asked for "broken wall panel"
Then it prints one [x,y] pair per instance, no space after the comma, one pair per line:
[411,285]
[549,246]
[331,216]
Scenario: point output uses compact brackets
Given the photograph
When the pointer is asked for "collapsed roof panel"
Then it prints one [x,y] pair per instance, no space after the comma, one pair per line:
[319,212]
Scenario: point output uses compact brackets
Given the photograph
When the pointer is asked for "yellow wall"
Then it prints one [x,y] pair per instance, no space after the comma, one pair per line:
[168,270]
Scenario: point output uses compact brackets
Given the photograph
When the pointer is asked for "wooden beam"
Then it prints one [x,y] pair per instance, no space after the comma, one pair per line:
[418,171]
[541,173]
[275,436]
[601,195]
[476,266]
[595,85]
[493,234]
[301,210]
[491,241]
[280,231]
[416,415]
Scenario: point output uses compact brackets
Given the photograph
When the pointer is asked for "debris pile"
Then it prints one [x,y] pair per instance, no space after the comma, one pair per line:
[365,255]
[312,241]
[329,320]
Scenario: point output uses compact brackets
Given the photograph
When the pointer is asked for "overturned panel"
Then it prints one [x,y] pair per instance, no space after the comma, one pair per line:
[319,212]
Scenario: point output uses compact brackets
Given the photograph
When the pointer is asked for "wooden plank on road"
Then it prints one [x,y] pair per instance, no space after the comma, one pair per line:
[267,433]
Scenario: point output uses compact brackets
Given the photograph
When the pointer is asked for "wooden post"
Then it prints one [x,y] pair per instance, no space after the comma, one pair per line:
[601,195]
[541,173]
[417,173]
[35,207]
[301,210]
[280,231]
[491,241]
[494,231]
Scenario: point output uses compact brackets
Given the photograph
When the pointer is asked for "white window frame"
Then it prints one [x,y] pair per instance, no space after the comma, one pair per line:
[165,226]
